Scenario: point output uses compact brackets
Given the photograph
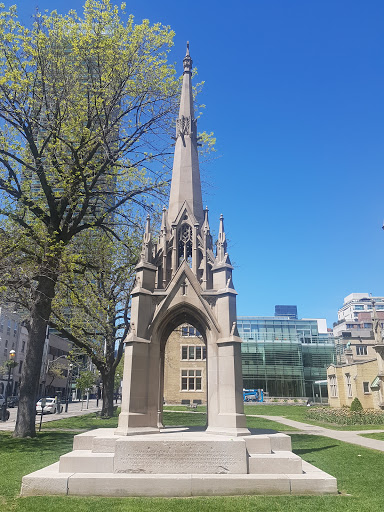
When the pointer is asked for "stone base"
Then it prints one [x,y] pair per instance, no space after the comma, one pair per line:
[176,462]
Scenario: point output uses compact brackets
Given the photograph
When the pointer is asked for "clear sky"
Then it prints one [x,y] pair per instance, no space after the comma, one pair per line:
[294,92]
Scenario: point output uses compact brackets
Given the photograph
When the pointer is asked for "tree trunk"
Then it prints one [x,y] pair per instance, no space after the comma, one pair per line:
[26,413]
[108,389]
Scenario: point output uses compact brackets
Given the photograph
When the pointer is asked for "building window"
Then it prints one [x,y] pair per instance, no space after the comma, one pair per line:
[6,343]
[188,330]
[9,327]
[1,324]
[367,326]
[333,385]
[361,350]
[349,385]
[20,366]
[366,387]
[23,346]
[193,352]
[358,308]
[15,329]
[190,380]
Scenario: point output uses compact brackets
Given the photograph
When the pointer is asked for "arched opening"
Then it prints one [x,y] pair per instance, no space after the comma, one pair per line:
[185,368]
[183,372]
[185,244]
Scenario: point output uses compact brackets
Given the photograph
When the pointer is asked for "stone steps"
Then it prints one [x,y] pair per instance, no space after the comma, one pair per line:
[49,481]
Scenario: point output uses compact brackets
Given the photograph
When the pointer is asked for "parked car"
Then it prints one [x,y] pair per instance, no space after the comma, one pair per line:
[13,401]
[2,400]
[49,405]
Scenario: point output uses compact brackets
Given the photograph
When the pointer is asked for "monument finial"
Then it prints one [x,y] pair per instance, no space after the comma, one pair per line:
[187,61]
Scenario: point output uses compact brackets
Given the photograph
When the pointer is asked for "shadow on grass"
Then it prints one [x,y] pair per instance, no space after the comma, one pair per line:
[302,451]
[261,431]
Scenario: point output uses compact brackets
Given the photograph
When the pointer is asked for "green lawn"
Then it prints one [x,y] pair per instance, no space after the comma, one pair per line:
[358,471]
[379,436]
[86,422]
[352,465]
[298,413]
[171,418]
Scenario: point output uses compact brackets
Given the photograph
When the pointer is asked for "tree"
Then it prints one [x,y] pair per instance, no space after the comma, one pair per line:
[84,105]
[94,313]
[55,371]
[85,381]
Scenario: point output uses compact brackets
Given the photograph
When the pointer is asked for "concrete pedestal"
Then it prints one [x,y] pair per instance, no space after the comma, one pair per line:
[177,462]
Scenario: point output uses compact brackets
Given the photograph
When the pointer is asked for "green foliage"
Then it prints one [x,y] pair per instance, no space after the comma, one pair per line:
[55,371]
[85,101]
[85,381]
[356,405]
[345,416]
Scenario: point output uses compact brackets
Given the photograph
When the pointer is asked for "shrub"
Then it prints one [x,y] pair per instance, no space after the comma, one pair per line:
[356,405]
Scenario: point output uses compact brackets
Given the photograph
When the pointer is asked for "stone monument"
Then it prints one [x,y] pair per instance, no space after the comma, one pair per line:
[181,279]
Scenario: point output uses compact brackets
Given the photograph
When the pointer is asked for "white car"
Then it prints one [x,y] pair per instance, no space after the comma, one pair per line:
[49,405]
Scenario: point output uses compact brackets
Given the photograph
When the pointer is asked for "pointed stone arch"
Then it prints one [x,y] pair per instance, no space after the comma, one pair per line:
[168,288]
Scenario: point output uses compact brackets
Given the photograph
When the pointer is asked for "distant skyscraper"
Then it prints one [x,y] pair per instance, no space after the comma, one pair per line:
[287,311]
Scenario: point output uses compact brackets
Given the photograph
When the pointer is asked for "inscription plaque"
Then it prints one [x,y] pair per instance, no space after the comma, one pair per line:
[179,456]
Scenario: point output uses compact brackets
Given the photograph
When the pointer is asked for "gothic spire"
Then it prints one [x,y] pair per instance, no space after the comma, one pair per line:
[185,184]
[221,248]
[146,248]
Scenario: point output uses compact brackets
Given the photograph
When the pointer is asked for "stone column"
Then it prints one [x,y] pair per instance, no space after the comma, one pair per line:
[225,390]
[140,391]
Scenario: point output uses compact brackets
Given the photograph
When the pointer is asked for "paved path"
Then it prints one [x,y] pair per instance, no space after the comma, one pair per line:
[348,436]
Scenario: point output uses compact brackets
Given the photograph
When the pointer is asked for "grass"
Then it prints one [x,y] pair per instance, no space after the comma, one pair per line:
[174,417]
[358,482]
[86,422]
[379,436]
[357,469]
[298,413]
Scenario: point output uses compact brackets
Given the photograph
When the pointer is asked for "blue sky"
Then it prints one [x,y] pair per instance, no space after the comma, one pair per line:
[294,94]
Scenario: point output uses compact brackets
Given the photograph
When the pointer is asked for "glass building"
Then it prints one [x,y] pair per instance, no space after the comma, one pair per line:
[285,356]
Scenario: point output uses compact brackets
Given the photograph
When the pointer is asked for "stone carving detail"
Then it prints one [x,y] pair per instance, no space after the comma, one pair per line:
[211,301]
[186,233]
[157,300]
[185,126]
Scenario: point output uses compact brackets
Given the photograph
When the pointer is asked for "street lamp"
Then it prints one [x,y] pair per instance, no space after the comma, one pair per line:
[11,363]
[69,380]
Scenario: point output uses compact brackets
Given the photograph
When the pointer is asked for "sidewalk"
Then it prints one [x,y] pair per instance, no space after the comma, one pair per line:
[347,436]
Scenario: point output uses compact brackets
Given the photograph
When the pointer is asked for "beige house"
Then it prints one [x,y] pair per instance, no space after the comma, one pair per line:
[185,367]
[357,379]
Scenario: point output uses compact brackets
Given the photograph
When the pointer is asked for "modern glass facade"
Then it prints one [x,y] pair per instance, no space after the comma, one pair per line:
[287,311]
[284,357]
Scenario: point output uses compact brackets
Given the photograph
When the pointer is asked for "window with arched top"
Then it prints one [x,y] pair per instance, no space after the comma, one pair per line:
[185,244]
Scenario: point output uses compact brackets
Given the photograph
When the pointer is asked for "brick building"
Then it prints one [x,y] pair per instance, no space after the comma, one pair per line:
[185,367]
